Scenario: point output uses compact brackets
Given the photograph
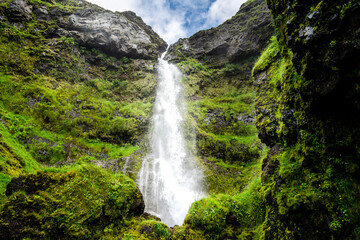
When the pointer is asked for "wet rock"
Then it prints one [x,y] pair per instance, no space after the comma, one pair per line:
[19,11]
[313,15]
[15,184]
[269,165]
[308,33]
[32,101]
[41,13]
[317,118]
[324,45]
[246,118]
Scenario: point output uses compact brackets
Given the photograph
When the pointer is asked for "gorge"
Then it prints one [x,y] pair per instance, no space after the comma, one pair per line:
[248,130]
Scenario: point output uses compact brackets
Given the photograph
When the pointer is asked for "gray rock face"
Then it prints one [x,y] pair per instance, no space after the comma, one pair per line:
[112,33]
[239,38]
[117,34]
[20,10]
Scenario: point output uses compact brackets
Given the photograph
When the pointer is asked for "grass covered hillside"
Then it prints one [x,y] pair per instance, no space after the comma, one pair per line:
[275,119]
[67,106]
[66,103]
[305,90]
[63,102]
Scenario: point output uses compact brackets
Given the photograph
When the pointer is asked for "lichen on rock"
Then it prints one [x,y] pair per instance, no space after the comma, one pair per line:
[307,103]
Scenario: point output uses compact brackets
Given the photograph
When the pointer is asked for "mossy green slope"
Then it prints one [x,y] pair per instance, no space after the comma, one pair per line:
[217,67]
[75,202]
[221,119]
[62,103]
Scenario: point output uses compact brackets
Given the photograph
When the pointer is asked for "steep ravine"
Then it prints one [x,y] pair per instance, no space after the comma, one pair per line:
[221,94]
[275,121]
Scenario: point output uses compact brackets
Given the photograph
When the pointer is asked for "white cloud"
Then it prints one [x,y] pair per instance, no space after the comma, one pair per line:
[188,17]
[221,10]
[168,23]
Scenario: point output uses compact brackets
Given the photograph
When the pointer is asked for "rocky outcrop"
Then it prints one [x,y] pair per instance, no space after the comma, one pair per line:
[117,34]
[49,204]
[239,38]
[308,102]
[20,10]
[325,43]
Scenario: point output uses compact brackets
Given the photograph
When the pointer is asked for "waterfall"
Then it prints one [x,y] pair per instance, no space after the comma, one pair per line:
[170,179]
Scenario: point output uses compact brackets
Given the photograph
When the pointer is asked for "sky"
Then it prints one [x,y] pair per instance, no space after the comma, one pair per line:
[174,19]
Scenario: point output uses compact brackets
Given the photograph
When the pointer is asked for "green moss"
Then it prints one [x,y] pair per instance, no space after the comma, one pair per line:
[343,8]
[267,57]
[186,233]
[228,147]
[308,177]
[63,4]
[67,202]
[5,4]
[227,217]
[138,109]
[4,180]
[229,178]
[47,105]
[148,229]
[15,160]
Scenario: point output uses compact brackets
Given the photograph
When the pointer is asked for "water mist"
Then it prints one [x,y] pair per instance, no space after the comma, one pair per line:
[170,179]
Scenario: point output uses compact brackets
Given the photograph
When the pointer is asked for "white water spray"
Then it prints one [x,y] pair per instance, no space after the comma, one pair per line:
[169,179]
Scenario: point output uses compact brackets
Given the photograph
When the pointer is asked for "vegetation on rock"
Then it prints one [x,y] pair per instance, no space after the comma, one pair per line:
[221,95]
[308,112]
[279,149]
[236,40]
[79,202]
[65,103]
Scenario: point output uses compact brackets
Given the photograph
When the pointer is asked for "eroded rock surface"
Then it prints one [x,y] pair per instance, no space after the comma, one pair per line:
[239,38]
[308,102]
[117,34]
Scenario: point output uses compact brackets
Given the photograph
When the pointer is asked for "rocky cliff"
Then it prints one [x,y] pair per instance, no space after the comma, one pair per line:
[308,112]
[73,65]
[77,84]
[239,38]
[116,34]
[217,66]
[280,148]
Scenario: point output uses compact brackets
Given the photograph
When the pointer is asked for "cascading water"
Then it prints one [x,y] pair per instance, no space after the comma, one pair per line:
[169,179]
